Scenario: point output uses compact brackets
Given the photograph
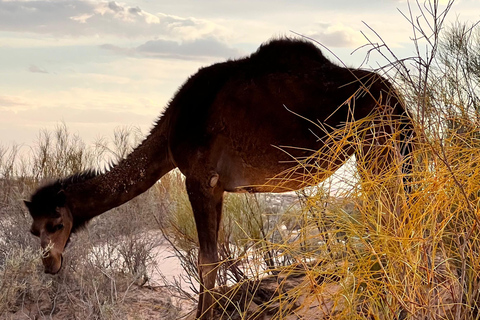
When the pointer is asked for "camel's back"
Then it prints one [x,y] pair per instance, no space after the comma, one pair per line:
[191,108]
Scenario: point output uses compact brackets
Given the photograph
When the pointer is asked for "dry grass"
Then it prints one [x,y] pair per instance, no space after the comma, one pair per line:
[373,252]
[105,273]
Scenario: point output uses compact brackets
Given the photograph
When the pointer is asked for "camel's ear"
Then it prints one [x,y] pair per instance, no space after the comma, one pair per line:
[60,199]
[27,203]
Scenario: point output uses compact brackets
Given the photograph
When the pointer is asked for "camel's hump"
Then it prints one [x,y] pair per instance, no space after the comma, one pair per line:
[289,51]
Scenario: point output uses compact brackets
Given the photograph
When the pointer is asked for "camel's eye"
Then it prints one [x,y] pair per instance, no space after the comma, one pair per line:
[55,228]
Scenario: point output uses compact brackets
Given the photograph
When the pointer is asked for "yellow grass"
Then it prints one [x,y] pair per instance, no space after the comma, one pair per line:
[369,250]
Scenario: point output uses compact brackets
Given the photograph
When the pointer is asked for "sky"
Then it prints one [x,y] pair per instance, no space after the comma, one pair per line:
[98,65]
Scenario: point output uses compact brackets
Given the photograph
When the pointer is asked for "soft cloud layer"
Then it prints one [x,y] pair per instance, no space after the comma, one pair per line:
[62,18]
[35,69]
[337,35]
[199,48]
[7,101]
[21,119]
[77,115]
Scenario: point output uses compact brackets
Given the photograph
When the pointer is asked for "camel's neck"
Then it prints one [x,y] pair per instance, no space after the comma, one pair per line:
[131,177]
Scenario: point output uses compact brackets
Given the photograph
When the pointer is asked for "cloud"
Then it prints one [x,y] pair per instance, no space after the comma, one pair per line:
[90,18]
[21,126]
[35,69]
[119,50]
[336,35]
[83,115]
[199,48]
[11,101]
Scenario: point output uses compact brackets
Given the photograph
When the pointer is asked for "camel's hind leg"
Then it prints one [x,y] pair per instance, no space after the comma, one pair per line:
[206,203]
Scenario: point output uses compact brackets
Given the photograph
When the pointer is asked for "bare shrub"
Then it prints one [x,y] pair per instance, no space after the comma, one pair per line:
[58,154]
[104,266]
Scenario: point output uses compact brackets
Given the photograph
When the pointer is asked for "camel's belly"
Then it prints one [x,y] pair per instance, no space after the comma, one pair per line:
[275,176]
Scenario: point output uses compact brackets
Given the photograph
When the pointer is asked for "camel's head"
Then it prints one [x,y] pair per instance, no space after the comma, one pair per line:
[52,223]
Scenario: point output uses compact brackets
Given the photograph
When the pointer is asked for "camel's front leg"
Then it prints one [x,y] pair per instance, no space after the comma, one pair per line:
[206,203]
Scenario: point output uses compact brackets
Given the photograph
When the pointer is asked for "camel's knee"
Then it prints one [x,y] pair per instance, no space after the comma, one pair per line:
[203,181]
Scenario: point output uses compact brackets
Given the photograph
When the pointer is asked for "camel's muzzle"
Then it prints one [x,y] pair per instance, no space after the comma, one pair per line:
[52,265]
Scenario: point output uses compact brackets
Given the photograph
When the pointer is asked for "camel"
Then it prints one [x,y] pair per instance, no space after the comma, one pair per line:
[236,126]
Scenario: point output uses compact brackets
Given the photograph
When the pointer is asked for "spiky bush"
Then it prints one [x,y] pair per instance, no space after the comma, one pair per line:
[368,250]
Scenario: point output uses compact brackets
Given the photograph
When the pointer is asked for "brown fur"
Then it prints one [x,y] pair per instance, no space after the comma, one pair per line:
[222,130]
